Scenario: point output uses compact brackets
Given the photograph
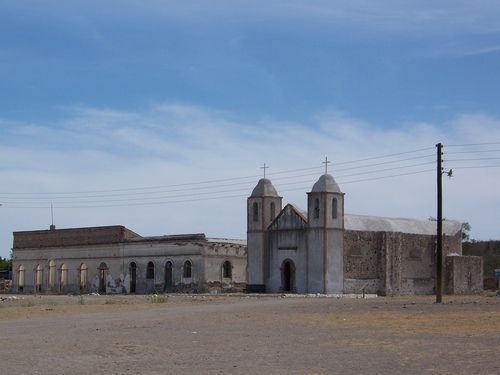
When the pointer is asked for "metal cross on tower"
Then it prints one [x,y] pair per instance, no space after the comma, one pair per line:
[326,162]
[264,168]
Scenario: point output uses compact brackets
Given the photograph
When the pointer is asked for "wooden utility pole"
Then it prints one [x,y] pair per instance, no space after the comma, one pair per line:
[439,248]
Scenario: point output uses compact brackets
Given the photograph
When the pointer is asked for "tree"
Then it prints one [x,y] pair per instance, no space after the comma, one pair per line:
[466,232]
[6,264]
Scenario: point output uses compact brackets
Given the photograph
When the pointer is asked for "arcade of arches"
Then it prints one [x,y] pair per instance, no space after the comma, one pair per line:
[126,262]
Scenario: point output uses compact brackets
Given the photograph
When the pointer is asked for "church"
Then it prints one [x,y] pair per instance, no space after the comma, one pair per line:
[288,250]
[324,250]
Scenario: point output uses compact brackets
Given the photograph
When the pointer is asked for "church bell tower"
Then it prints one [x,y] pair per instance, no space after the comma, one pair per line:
[325,207]
[263,205]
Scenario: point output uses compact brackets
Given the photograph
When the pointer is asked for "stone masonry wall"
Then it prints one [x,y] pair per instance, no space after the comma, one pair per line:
[464,274]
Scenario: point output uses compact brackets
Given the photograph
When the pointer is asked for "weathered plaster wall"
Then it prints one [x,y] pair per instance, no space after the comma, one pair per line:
[464,274]
[392,263]
[287,245]
[117,259]
[215,256]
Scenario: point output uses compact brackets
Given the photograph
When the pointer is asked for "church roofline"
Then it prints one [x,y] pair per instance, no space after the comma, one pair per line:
[398,225]
[171,237]
[298,211]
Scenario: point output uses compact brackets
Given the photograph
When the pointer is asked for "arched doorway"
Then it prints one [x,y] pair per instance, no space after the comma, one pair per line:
[52,276]
[20,278]
[83,277]
[103,271]
[133,276]
[64,278]
[288,276]
[168,276]
[38,278]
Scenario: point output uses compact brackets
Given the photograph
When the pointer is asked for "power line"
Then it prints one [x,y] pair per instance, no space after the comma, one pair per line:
[219,180]
[474,144]
[475,166]
[216,186]
[200,193]
[212,198]
[470,152]
[471,159]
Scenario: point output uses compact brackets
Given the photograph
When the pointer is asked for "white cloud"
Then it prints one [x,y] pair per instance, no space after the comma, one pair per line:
[95,149]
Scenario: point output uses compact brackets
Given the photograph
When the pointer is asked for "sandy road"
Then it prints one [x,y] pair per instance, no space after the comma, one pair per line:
[241,335]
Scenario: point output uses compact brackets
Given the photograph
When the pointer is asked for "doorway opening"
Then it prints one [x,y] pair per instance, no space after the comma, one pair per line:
[103,271]
[168,276]
[133,277]
[288,276]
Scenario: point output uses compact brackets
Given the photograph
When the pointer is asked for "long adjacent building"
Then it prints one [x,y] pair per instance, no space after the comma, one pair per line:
[114,259]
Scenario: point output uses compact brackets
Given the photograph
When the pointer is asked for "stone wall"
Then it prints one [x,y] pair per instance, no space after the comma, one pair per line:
[464,274]
[391,263]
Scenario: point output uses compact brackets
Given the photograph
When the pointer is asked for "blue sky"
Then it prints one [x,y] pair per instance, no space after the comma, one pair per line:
[123,94]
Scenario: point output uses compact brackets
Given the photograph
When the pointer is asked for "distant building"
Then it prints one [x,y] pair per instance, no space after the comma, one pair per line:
[114,259]
[323,250]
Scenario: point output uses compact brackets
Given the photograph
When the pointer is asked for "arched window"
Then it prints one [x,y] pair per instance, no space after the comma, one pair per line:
[20,278]
[52,275]
[227,270]
[273,210]
[187,270]
[84,276]
[64,278]
[316,208]
[255,211]
[150,272]
[334,208]
[38,278]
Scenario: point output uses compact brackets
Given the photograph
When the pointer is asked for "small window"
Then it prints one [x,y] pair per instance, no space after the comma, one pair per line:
[255,211]
[273,210]
[334,208]
[227,269]
[150,272]
[187,270]
[316,208]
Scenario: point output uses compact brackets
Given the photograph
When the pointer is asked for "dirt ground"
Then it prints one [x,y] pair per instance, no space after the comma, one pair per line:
[249,335]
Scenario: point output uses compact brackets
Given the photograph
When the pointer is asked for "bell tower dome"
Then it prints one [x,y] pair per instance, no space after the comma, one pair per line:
[325,211]
[263,205]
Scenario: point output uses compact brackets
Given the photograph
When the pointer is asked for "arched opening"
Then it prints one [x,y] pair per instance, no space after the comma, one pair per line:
[169,279]
[187,271]
[64,278]
[227,270]
[20,278]
[288,276]
[52,276]
[255,210]
[150,271]
[38,278]
[273,210]
[132,270]
[334,208]
[103,273]
[83,277]
[316,208]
